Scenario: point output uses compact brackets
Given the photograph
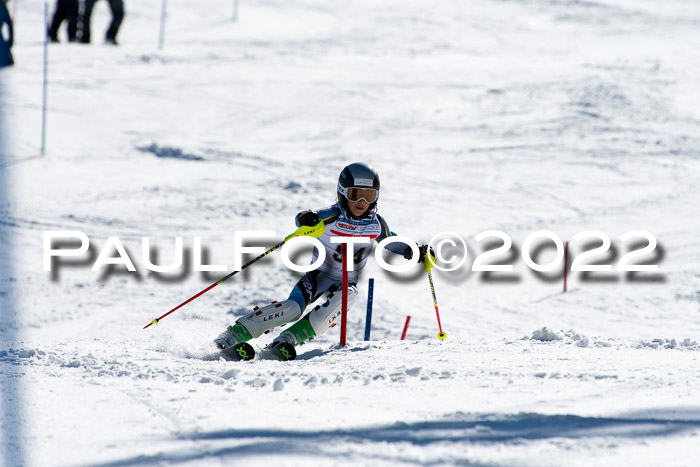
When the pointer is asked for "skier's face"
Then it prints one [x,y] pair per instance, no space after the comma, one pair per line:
[358,208]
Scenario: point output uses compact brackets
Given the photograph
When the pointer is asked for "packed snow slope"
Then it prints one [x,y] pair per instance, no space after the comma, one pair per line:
[516,116]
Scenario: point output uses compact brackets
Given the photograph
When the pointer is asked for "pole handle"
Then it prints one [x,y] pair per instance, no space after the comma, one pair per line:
[308,231]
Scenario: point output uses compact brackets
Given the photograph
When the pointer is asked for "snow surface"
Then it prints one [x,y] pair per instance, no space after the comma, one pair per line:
[516,116]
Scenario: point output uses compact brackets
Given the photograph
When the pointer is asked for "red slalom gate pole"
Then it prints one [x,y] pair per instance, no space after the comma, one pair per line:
[344,313]
[405,327]
[566,263]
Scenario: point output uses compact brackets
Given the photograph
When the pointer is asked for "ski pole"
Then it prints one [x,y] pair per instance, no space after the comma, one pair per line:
[314,231]
[441,335]
[428,263]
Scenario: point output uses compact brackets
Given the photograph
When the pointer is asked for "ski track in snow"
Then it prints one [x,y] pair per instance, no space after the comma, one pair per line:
[510,115]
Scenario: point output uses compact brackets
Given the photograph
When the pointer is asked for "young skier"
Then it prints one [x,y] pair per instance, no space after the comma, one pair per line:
[354,214]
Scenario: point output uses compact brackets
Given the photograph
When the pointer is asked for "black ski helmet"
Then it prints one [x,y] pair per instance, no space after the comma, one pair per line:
[359,175]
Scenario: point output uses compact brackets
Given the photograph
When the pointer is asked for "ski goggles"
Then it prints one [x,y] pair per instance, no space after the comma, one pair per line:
[356,194]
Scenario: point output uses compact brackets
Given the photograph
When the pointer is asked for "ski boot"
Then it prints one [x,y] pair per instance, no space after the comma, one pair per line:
[282,348]
[233,345]
[233,342]
[314,323]
[233,335]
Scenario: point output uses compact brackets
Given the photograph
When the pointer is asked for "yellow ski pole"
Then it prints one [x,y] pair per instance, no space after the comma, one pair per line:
[428,263]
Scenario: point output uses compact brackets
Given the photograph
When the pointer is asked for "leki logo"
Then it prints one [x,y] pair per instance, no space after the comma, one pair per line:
[273,316]
[347,226]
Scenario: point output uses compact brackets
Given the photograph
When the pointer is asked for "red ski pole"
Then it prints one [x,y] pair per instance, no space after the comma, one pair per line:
[315,231]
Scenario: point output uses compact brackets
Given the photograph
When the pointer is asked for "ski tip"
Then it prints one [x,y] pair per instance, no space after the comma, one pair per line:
[286,351]
[242,351]
[282,351]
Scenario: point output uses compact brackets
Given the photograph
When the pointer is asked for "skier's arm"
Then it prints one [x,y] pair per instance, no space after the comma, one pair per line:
[395,247]
[311,218]
[12,34]
[308,218]
[404,250]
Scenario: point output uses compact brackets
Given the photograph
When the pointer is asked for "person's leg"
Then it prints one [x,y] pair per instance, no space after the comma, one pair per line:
[320,319]
[117,7]
[255,324]
[273,315]
[58,17]
[72,17]
[85,21]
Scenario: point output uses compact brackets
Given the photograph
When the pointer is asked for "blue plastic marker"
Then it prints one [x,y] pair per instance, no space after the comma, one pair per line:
[368,320]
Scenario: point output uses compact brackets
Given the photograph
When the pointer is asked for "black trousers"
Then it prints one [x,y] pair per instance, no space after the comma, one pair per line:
[117,7]
[5,42]
[65,10]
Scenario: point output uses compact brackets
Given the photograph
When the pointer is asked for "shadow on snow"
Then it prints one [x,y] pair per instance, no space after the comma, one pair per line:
[476,429]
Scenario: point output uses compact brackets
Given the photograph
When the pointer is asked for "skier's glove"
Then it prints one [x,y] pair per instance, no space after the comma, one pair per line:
[422,256]
[408,253]
[424,252]
[308,218]
[427,257]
